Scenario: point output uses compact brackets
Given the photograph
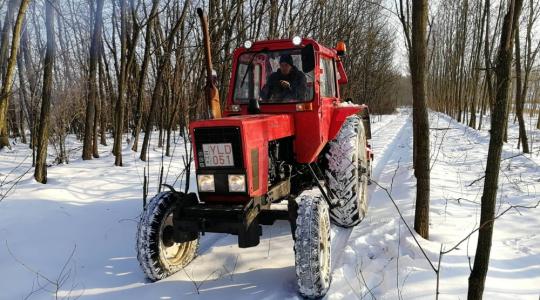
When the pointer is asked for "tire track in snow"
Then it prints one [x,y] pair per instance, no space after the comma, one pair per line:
[378,127]
[396,134]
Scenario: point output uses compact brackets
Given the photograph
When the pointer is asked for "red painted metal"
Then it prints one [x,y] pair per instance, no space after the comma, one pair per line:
[255,131]
[311,129]
[338,117]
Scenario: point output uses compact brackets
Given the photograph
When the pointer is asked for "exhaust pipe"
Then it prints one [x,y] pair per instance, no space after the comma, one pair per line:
[211,91]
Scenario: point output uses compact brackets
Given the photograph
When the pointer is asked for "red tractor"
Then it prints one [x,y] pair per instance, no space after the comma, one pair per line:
[272,144]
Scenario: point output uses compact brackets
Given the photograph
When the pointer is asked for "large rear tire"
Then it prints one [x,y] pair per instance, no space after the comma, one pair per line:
[348,172]
[312,247]
[158,255]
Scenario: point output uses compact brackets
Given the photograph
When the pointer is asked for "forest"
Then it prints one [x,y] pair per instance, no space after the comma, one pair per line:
[97,98]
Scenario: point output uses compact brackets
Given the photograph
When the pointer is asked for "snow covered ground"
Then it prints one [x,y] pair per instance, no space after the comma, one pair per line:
[75,236]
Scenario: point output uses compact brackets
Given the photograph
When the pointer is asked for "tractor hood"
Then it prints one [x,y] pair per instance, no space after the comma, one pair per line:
[256,127]
[247,137]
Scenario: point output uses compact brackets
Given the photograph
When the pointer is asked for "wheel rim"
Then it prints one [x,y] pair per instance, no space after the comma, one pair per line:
[170,252]
[324,246]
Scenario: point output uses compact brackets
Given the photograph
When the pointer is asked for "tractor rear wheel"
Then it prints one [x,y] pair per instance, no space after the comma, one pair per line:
[312,247]
[348,172]
[158,255]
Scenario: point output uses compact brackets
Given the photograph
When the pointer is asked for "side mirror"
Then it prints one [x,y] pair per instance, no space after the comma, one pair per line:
[308,58]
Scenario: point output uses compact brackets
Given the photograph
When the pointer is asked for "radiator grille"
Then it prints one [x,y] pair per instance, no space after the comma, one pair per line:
[212,135]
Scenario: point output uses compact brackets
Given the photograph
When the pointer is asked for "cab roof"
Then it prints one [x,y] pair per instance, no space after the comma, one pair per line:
[282,44]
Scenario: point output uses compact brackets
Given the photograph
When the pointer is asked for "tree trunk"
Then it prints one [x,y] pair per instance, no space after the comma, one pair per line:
[417,62]
[499,114]
[164,62]
[7,82]
[520,96]
[538,122]
[122,82]
[22,131]
[160,124]
[88,144]
[102,115]
[142,76]
[6,29]
[487,57]
[40,173]
[97,108]
[25,109]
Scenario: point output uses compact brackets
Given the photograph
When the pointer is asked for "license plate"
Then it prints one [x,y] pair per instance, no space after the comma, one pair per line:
[218,155]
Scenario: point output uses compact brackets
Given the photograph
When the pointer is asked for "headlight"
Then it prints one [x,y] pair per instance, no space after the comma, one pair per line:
[206,183]
[297,41]
[237,183]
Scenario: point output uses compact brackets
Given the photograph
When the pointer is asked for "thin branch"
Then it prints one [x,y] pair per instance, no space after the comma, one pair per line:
[489,222]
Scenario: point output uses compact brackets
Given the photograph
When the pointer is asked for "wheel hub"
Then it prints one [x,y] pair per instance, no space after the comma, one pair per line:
[167,237]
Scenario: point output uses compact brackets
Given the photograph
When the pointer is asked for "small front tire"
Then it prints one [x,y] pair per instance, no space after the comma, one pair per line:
[158,255]
[312,247]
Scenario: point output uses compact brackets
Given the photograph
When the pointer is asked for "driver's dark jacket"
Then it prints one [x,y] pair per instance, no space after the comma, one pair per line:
[273,89]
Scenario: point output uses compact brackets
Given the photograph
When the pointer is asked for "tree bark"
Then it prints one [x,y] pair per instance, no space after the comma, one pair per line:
[417,65]
[143,74]
[7,82]
[122,82]
[6,29]
[40,173]
[88,144]
[520,96]
[102,115]
[538,122]
[25,109]
[499,115]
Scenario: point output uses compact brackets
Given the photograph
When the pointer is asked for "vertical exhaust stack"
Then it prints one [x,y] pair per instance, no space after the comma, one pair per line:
[211,91]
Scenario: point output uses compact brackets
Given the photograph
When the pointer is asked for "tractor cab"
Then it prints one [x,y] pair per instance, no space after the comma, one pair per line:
[316,69]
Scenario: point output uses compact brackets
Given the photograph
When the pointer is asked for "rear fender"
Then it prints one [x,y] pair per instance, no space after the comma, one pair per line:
[341,113]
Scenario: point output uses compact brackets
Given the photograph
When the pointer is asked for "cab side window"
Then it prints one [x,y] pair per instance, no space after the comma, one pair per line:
[328,79]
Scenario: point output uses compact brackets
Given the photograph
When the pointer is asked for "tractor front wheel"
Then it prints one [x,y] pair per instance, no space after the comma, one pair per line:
[158,255]
[312,247]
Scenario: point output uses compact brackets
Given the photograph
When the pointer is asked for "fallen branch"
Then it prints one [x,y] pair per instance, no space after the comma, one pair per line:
[57,283]
[489,222]
[199,284]
[406,225]
[476,180]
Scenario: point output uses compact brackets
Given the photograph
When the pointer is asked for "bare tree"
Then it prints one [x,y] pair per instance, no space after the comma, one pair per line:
[7,80]
[89,129]
[40,173]
[122,85]
[416,38]
[531,52]
[520,101]
[498,120]
[164,64]
[143,74]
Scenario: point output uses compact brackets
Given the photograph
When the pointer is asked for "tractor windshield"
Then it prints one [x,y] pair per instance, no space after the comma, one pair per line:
[272,77]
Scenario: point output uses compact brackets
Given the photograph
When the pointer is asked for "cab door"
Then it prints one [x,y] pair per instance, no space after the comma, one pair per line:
[328,91]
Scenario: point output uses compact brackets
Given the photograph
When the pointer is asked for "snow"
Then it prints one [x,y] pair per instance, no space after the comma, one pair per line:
[91,209]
